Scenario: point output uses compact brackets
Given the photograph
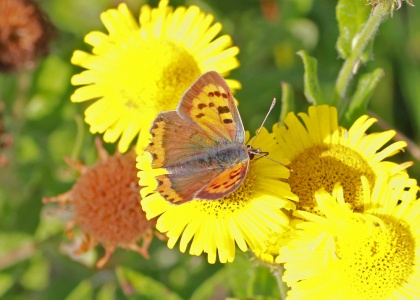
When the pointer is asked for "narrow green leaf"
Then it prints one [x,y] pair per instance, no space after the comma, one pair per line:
[83,291]
[365,87]
[287,101]
[6,282]
[138,285]
[213,284]
[248,279]
[15,247]
[107,291]
[36,276]
[312,89]
[351,16]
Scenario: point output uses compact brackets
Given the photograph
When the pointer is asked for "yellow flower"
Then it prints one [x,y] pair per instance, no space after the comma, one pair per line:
[139,70]
[323,154]
[244,217]
[349,255]
[105,203]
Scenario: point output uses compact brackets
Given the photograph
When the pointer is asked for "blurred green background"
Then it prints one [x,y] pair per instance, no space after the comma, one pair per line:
[45,125]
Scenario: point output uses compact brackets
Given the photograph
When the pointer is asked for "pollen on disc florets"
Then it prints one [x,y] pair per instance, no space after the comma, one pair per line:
[322,166]
[165,68]
[379,262]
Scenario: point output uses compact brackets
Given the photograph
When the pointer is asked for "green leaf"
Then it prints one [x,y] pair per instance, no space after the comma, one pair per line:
[143,287]
[287,101]
[106,292]
[36,276]
[351,17]
[51,83]
[6,281]
[15,247]
[209,288]
[312,89]
[83,291]
[249,279]
[365,87]
[12,241]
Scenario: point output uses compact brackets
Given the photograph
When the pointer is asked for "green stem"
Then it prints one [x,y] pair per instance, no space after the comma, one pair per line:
[79,138]
[280,284]
[380,14]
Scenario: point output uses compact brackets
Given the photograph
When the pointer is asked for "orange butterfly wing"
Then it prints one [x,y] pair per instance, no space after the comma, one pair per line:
[225,183]
[209,103]
[178,145]
[200,144]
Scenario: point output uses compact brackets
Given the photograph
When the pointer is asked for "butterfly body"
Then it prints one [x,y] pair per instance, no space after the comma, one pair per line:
[201,144]
[220,158]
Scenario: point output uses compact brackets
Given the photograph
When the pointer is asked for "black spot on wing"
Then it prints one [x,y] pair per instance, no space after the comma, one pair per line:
[227,121]
[200,115]
[201,105]
[223,109]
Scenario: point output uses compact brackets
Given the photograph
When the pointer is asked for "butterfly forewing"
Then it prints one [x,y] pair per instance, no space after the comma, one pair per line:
[174,140]
[210,104]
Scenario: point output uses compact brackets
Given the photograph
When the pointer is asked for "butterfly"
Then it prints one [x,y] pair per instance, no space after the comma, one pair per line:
[200,144]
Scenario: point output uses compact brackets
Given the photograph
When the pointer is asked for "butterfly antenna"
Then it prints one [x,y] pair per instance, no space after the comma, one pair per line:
[257,152]
[265,119]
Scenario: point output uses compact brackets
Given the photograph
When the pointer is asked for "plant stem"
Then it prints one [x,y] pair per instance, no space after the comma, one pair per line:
[369,31]
[280,284]
[17,255]
[79,138]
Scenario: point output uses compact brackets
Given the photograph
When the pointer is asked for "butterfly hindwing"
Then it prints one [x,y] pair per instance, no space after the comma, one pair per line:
[180,188]
[225,183]
[209,103]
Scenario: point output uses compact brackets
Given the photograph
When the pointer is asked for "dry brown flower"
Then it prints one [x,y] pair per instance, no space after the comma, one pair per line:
[25,34]
[106,205]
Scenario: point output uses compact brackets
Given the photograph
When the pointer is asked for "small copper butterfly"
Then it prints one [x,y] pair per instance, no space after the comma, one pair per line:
[201,144]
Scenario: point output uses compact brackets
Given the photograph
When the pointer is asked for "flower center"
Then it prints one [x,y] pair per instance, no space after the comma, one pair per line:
[322,166]
[234,201]
[377,263]
[106,202]
[154,74]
